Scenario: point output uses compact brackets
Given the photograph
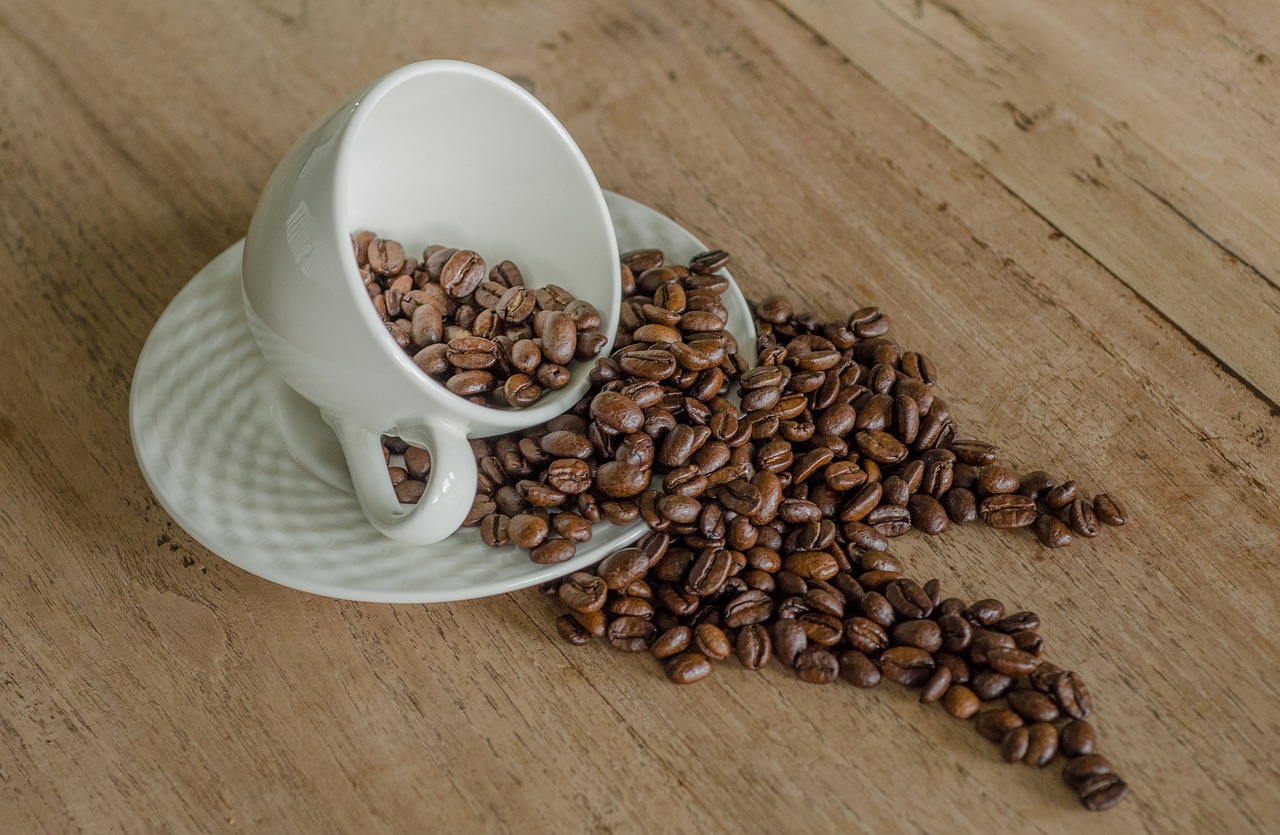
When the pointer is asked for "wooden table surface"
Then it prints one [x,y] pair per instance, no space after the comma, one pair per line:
[1072,207]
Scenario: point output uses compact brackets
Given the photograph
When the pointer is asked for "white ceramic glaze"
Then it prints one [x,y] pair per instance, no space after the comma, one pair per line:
[205,413]
[434,152]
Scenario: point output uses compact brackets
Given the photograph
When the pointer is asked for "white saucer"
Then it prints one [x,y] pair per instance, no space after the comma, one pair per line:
[204,412]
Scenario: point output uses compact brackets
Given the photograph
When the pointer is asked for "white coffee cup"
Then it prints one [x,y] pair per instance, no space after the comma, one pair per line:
[434,152]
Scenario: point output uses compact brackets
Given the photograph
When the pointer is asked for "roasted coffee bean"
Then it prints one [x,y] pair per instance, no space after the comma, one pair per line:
[937,685]
[410,491]
[1062,495]
[1102,792]
[955,632]
[994,724]
[552,551]
[671,642]
[1032,706]
[620,481]
[1006,511]
[960,701]
[816,666]
[709,571]
[493,530]
[619,414]
[622,568]
[572,631]
[1037,484]
[880,446]
[1012,662]
[990,684]
[909,666]
[1042,744]
[789,640]
[909,599]
[1110,510]
[974,453]
[812,564]
[583,592]
[821,628]
[688,667]
[775,308]
[1071,694]
[921,633]
[1051,531]
[985,641]
[927,514]
[961,505]
[877,608]
[1077,737]
[1082,519]
[630,634]
[712,642]
[858,669]
[1013,748]
[749,607]
[570,476]
[1085,767]
[527,530]
[995,479]
[754,647]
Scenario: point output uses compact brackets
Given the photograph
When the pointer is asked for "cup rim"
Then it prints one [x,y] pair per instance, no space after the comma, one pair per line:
[553,403]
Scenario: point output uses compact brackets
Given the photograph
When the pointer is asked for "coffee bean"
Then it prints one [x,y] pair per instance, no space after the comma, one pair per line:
[789,640]
[552,551]
[921,633]
[1085,767]
[960,701]
[989,685]
[1051,531]
[994,724]
[1081,518]
[462,273]
[527,530]
[711,641]
[622,568]
[572,631]
[1110,510]
[618,480]
[909,666]
[630,634]
[961,505]
[858,669]
[880,446]
[909,599]
[1062,495]
[1006,511]
[816,666]
[616,412]
[671,642]
[1011,662]
[1013,748]
[384,257]
[1102,792]
[688,667]
[937,685]
[974,453]
[1033,706]
[1042,744]
[749,607]
[1077,737]
[583,592]
[927,514]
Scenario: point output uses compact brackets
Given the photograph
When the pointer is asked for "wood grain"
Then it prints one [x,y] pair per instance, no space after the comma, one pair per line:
[1138,131]
[147,685]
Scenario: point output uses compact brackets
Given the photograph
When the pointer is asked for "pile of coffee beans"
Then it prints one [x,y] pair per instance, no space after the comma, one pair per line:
[770,518]
[495,342]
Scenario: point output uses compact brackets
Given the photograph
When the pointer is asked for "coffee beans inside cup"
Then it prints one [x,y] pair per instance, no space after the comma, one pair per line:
[480,332]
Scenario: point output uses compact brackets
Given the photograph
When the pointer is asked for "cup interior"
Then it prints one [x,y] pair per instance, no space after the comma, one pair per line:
[449,153]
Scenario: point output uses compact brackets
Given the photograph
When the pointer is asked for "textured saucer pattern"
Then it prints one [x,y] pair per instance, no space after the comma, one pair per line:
[200,415]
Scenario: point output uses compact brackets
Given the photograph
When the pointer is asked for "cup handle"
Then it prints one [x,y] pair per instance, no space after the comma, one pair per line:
[450,489]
